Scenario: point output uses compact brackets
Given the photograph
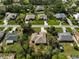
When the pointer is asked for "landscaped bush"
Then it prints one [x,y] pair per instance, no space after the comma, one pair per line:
[76,47]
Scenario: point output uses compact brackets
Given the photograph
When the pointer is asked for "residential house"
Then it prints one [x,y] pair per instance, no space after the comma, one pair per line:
[42,17]
[30,17]
[66,37]
[60,15]
[39,8]
[10,16]
[38,38]
[11,38]
[76,16]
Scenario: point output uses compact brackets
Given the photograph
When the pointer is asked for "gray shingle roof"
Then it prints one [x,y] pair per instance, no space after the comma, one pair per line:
[10,16]
[11,36]
[39,8]
[43,16]
[65,37]
[30,17]
[60,15]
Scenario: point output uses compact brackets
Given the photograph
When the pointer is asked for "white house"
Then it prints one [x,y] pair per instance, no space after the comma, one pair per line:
[76,16]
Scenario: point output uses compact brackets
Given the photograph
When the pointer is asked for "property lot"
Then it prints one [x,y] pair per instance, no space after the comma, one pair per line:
[37,22]
[53,21]
[69,49]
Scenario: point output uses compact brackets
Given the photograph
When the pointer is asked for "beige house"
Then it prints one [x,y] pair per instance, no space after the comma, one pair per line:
[38,38]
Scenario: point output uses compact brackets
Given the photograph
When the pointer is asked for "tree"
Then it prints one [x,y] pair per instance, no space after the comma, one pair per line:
[27,29]
[13,8]
[25,2]
[52,30]
[2,14]
[76,47]
[25,37]
[21,19]
[7,2]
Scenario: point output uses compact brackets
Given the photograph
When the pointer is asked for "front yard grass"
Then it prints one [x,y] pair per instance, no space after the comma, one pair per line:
[37,22]
[69,50]
[12,22]
[37,29]
[1,28]
[71,18]
[53,21]
[59,56]
[13,47]
[69,29]
[59,30]
[1,22]
[9,29]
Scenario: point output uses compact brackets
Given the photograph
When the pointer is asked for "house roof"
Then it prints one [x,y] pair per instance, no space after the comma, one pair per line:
[38,38]
[39,8]
[10,16]
[1,34]
[76,16]
[75,57]
[65,36]
[60,15]
[11,36]
[30,17]
[43,16]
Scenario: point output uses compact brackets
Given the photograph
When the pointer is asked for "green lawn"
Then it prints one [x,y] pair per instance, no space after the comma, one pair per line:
[1,22]
[12,22]
[77,29]
[1,28]
[53,21]
[9,29]
[59,56]
[37,22]
[37,29]
[71,18]
[13,47]
[59,30]
[69,50]
[69,29]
